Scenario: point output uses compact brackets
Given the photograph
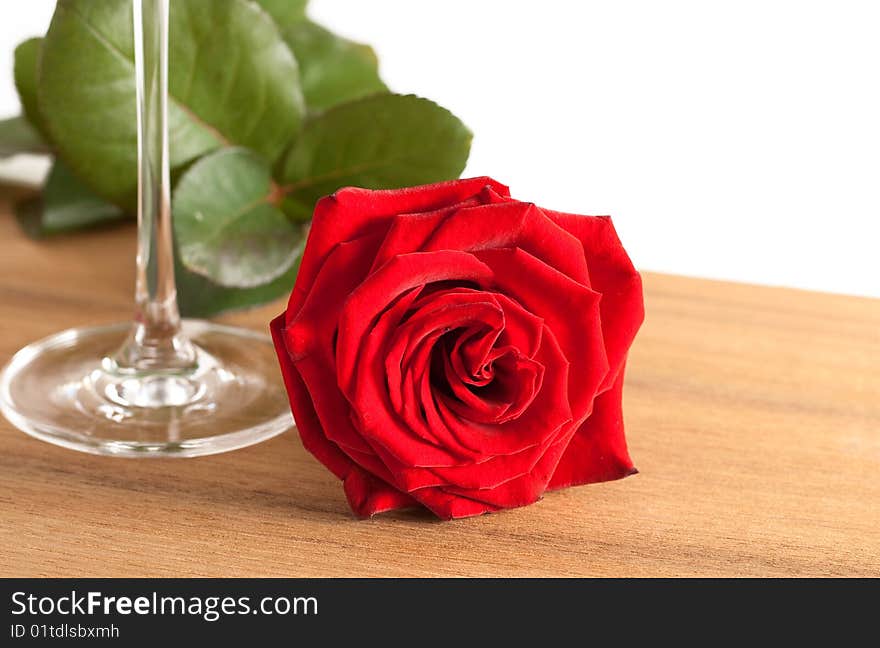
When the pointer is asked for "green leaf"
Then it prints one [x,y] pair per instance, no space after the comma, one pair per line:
[18,136]
[226,227]
[27,56]
[232,80]
[383,141]
[200,297]
[65,205]
[231,67]
[333,70]
[285,12]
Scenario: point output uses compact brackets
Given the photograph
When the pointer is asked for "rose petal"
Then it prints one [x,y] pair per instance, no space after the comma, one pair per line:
[539,426]
[505,397]
[307,422]
[449,502]
[407,354]
[447,506]
[570,310]
[612,274]
[526,489]
[346,214]
[522,330]
[408,232]
[512,225]
[549,409]
[368,495]
[375,348]
[415,343]
[400,274]
[597,451]
[485,475]
[309,338]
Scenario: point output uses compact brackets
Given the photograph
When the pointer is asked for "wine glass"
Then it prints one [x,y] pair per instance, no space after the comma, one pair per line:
[159,386]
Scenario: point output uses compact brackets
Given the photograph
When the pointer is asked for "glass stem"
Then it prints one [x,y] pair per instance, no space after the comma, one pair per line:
[156,342]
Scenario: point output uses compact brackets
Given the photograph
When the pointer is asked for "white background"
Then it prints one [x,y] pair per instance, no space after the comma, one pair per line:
[737,140]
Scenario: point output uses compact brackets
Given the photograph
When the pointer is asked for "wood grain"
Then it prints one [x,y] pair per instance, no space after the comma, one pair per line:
[752,413]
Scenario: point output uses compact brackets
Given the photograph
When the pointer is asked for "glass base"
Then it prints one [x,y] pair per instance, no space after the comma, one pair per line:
[66,389]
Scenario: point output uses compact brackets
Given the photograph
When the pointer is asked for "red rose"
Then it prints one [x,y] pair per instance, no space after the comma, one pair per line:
[449,346]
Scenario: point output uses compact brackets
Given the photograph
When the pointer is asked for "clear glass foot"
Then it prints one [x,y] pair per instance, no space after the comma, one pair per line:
[157,387]
[68,390]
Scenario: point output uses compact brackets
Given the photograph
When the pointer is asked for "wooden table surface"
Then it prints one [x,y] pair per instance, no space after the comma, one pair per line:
[753,415]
